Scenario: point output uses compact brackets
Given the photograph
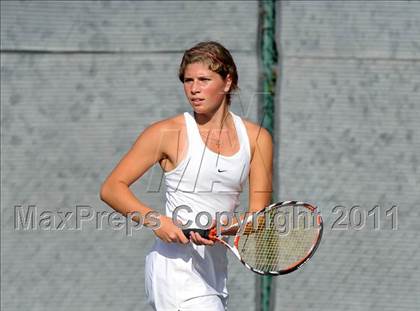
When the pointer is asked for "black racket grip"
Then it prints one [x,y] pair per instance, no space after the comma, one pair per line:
[202,232]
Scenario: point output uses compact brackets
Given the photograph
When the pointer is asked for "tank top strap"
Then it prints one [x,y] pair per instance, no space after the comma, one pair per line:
[242,133]
[194,138]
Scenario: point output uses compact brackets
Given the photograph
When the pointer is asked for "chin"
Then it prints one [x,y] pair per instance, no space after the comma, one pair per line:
[203,109]
[199,109]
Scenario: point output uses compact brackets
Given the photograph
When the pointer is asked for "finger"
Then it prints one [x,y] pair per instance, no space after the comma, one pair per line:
[207,242]
[182,238]
[193,237]
[198,239]
[173,238]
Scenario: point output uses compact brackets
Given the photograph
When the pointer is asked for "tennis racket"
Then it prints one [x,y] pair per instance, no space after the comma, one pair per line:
[277,240]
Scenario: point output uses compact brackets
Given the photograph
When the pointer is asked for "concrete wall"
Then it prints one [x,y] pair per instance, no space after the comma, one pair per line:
[348,123]
[80,81]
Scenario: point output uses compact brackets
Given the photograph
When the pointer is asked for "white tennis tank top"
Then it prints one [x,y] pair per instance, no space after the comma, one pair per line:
[205,182]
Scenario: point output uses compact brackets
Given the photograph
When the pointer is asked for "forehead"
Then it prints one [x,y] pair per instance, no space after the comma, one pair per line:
[198,69]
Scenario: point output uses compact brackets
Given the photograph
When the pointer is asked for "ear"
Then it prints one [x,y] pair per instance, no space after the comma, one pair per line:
[228,81]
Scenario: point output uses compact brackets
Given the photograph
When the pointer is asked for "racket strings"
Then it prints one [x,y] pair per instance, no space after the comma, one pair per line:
[278,245]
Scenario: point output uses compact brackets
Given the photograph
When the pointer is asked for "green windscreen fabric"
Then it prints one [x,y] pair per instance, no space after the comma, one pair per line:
[269,56]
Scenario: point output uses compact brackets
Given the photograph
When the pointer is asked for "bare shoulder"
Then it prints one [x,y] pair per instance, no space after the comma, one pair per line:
[161,138]
[257,133]
[164,127]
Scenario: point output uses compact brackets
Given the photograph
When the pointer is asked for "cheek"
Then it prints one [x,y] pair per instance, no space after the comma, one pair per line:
[215,91]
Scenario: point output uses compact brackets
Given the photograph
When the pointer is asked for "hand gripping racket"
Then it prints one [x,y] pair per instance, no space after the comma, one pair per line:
[277,240]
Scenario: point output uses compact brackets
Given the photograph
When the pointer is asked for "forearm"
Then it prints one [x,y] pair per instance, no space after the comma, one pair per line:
[259,200]
[119,197]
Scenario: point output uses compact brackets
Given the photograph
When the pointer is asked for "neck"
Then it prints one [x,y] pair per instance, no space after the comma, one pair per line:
[215,120]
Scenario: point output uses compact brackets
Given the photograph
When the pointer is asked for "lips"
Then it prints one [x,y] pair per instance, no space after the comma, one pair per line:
[197,100]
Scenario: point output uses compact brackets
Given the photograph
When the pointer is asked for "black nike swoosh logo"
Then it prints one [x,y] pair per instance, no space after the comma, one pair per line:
[221,171]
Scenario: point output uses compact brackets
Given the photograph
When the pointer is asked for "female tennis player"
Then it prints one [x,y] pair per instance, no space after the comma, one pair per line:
[207,154]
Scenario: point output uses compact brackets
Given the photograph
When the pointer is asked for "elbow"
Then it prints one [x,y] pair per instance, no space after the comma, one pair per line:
[110,189]
[104,192]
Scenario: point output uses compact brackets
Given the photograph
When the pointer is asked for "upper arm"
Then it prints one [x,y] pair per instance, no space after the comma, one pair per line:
[261,169]
[143,154]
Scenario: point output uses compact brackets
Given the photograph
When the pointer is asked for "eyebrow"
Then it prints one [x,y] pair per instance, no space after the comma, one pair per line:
[199,77]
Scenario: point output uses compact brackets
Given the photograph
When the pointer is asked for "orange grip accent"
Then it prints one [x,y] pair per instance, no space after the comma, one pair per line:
[213,234]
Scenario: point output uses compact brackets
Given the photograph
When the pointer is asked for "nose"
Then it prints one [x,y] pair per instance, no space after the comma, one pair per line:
[195,88]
